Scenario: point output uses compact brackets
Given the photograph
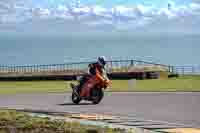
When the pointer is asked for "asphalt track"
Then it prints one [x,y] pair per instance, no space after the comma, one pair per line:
[180,109]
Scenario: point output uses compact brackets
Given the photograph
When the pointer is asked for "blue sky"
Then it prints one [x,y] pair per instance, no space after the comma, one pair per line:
[158,3]
[183,16]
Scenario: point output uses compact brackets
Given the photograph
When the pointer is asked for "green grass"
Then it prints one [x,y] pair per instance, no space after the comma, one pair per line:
[169,85]
[13,87]
[183,83]
[24,123]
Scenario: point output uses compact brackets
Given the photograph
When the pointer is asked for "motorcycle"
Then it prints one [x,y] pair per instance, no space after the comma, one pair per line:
[96,93]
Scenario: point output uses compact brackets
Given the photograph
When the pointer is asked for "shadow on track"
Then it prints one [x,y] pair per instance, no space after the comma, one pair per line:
[73,104]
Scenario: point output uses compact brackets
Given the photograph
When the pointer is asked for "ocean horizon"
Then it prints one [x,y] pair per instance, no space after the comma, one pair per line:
[169,49]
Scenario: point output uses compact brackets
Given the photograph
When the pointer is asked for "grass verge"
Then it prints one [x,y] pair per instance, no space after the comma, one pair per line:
[184,83]
[12,121]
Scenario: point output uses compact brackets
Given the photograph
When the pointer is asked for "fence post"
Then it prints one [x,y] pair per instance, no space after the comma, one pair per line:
[193,69]
[169,69]
[111,66]
[173,70]
[183,70]
[132,63]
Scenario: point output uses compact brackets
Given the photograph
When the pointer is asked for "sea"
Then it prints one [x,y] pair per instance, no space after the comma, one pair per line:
[165,48]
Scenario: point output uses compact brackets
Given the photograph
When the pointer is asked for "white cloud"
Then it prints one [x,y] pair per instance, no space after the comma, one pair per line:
[4,6]
[39,12]
[194,7]
[99,10]
[164,12]
[124,17]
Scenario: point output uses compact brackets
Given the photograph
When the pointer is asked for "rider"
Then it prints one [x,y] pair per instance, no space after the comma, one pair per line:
[95,69]
[98,66]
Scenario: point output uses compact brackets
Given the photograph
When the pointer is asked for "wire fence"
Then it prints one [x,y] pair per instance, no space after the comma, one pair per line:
[186,70]
[75,68]
[81,67]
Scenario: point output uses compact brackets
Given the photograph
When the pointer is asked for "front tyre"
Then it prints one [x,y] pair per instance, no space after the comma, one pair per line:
[75,98]
[98,95]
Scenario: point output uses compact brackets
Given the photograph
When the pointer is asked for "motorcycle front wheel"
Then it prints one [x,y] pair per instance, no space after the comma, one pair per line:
[97,95]
[75,98]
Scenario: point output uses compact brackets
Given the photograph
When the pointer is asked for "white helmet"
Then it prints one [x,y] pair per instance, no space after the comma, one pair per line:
[101,61]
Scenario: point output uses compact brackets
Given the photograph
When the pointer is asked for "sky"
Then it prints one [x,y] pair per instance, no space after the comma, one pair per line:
[109,3]
[181,16]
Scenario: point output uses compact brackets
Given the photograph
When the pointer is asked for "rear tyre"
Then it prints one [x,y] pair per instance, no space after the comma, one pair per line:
[98,95]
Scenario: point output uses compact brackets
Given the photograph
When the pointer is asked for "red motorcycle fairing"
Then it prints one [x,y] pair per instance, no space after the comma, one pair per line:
[93,83]
[85,90]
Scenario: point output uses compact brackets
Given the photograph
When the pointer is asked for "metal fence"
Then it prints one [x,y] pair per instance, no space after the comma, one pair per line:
[186,70]
[112,66]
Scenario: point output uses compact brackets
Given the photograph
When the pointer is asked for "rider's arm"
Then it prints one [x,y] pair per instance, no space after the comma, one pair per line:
[91,69]
[105,74]
[98,75]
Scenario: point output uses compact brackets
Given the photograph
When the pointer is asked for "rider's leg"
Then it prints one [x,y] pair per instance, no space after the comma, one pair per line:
[82,81]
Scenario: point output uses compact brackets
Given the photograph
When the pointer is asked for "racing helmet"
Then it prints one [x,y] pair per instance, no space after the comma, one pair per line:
[101,61]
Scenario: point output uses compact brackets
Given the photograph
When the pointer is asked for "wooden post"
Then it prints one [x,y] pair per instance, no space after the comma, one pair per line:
[132,63]
[193,69]
[183,70]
